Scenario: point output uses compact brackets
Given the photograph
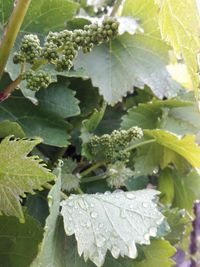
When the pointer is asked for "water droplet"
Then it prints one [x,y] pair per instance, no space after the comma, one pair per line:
[88,224]
[153,231]
[132,251]
[101,225]
[82,204]
[115,251]
[70,219]
[107,193]
[130,195]
[92,205]
[100,241]
[131,207]
[50,201]
[94,214]
[145,204]
[123,214]
[70,204]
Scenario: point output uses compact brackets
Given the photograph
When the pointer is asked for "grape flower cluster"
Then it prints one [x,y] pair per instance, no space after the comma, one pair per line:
[61,48]
[112,148]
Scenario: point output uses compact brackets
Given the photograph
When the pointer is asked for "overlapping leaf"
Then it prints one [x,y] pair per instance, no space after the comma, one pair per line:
[185,146]
[131,60]
[19,174]
[111,221]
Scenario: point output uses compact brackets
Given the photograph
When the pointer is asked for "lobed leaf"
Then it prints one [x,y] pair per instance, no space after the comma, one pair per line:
[19,174]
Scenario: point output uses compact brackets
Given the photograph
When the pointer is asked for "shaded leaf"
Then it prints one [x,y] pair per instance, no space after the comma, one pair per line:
[187,189]
[166,186]
[111,221]
[35,121]
[59,100]
[18,242]
[19,174]
[10,128]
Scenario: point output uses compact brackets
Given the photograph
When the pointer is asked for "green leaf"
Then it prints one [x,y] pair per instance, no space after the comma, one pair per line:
[89,125]
[50,253]
[111,221]
[19,174]
[18,242]
[160,249]
[48,15]
[59,100]
[69,181]
[146,115]
[166,186]
[130,61]
[186,146]
[187,189]
[159,253]
[148,159]
[10,128]
[179,25]
[35,121]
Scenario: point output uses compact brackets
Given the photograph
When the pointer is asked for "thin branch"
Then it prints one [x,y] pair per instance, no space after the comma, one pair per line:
[140,144]
[11,31]
[92,168]
[116,7]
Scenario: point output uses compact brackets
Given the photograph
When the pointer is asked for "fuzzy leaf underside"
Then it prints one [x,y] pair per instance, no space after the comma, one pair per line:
[111,221]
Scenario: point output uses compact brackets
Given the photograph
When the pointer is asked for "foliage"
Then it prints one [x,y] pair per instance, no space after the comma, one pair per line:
[99,141]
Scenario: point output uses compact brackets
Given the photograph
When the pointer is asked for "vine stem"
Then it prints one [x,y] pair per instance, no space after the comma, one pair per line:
[11,31]
[7,92]
[140,144]
[92,168]
[116,7]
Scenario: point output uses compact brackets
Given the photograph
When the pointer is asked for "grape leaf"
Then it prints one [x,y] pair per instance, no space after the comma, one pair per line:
[179,25]
[130,60]
[19,174]
[111,221]
[50,253]
[178,221]
[146,115]
[159,253]
[35,121]
[10,128]
[59,100]
[186,146]
[18,242]
[148,159]
[39,16]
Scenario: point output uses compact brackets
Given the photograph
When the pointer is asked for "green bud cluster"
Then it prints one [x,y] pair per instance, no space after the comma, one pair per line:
[29,51]
[95,34]
[112,147]
[60,48]
[36,80]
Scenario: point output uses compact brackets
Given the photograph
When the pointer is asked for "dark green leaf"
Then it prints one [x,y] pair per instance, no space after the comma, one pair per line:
[18,242]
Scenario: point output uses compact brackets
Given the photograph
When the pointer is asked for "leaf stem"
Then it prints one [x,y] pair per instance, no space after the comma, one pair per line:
[49,187]
[11,31]
[116,7]
[140,144]
[92,168]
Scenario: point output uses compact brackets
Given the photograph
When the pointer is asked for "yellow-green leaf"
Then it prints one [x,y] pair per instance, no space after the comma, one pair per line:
[185,146]
[19,174]
[179,25]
